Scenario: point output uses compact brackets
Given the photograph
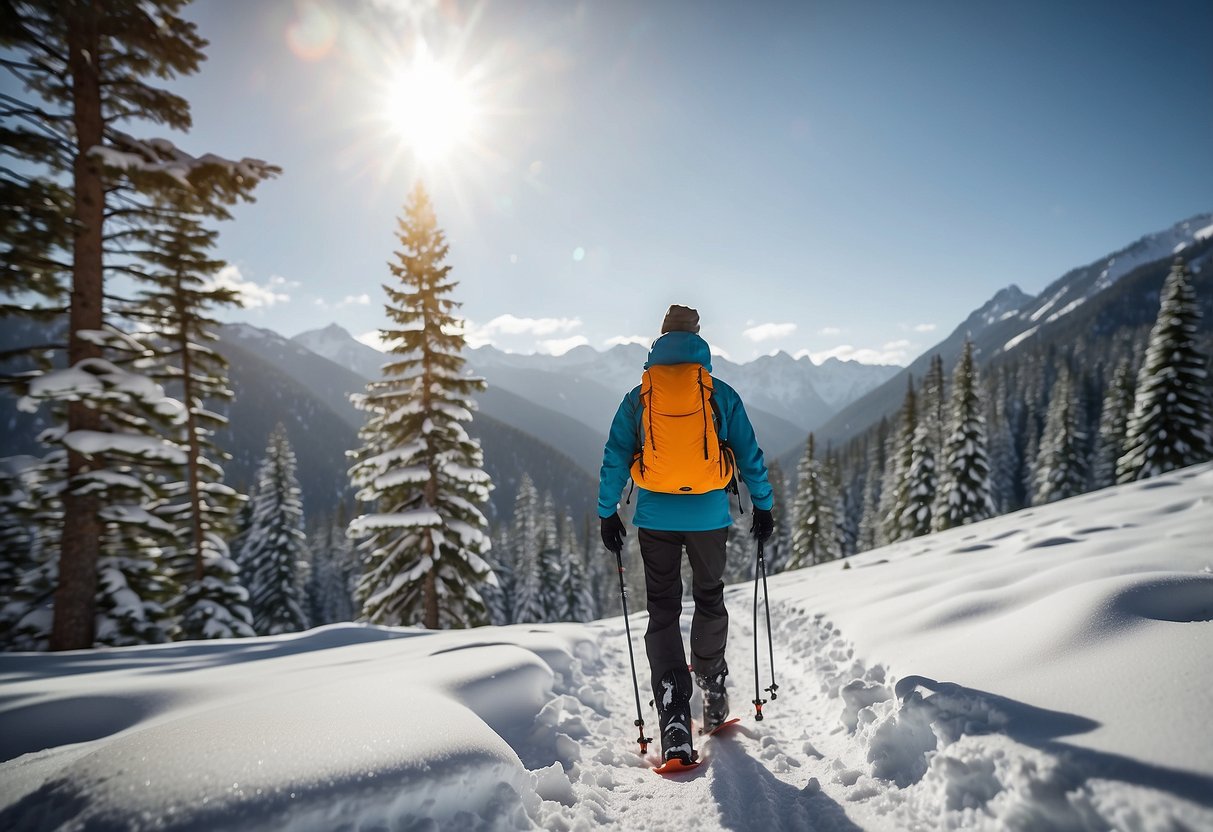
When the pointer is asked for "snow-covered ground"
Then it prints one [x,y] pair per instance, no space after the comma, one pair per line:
[1051,669]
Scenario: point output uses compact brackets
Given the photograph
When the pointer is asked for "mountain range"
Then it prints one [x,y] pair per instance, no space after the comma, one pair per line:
[548,415]
[1108,294]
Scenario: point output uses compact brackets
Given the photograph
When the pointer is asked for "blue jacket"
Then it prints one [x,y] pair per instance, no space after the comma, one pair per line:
[681,512]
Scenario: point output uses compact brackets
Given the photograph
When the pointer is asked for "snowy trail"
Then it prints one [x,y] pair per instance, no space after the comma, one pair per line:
[1048,669]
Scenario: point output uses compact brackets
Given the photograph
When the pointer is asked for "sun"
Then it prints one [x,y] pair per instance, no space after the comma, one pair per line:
[432,109]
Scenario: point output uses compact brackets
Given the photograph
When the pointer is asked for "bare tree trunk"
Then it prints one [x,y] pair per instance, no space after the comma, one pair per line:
[75,596]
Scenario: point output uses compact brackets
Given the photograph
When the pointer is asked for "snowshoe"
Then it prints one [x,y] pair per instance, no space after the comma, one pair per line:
[674,716]
[715,699]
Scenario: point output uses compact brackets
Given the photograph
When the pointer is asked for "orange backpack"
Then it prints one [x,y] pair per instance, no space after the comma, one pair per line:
[680,450]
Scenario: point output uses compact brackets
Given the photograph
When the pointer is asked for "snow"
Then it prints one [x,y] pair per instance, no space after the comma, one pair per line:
[1047,669]
[1020,338]
[95,442]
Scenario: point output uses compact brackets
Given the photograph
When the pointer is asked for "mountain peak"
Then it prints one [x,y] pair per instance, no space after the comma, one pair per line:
[332,331]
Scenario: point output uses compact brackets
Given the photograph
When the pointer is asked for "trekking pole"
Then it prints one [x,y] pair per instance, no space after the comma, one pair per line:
[766,600]
[623,593]
[760,568]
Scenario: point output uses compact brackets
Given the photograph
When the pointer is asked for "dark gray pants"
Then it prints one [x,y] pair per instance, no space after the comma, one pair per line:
[662,555]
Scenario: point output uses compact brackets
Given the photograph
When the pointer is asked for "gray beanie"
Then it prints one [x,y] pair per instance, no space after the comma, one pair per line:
[680,319]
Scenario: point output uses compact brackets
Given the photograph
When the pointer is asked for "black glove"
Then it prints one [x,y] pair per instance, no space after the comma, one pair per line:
[763,525]
[613,532]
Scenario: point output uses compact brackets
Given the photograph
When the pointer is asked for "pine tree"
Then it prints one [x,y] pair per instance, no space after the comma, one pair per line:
[578,594]
[921,485]
[27,575]
[895,523]
[814,533]
[869,522]
[1061,463]
[1004,466]
[424,546]
[964,491]
[843,532]
[1170,424]
[176,306]
[933,406]
[778,548]
[330,588]
[553,566]
[275,551]
[526,537]
[84,190]
[1113,422]
[498,596]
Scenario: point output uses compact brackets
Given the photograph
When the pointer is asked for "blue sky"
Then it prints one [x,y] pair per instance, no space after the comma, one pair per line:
[846,178]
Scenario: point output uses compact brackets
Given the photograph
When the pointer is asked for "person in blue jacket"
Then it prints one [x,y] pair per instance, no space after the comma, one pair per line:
[668,523]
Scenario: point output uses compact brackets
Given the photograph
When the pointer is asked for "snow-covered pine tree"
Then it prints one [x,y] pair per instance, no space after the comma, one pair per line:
[921,485]
[176,307]
[80,183]
[777,549]
[274,552]
[1061,462]
[553,565]
[26,576]
[330,584]
[894,522]
[498,597]
[527,539]
[933,406]
[1004,465]
[425,542]
[1171,423]
[832,471]
[964,491]
[869,522]
[1113,421]
[814,533]
[578,594]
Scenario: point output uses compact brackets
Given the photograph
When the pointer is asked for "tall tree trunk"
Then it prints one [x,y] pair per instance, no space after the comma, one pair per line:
[191,427]
[75,596]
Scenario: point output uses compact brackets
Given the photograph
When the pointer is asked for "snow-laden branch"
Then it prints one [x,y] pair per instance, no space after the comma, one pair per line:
[98,379]
[96,443]
[162,156]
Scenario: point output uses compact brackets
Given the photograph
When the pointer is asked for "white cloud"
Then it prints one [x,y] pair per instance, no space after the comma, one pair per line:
[767,332]
[895,352]
[924,327]
[512,325]
[355,300]
[719,351]
[253,295]
[829,330]
[628,339]
[559,346]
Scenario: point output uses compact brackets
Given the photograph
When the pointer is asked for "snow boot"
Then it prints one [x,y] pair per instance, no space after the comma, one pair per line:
[715,698]
[674,715]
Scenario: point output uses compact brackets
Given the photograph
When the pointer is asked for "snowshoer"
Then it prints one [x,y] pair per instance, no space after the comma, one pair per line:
[683,436]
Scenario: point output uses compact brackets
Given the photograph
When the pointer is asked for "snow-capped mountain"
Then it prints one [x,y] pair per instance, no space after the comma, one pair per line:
[1112,292]
[337,345]
[1079,286]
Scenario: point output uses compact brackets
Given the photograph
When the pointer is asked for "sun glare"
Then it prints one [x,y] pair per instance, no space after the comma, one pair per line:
[431,108]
